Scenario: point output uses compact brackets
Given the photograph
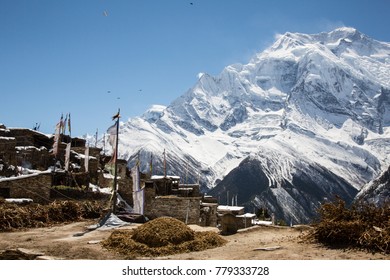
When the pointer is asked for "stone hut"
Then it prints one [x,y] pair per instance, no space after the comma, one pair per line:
[164,196]
[232,218]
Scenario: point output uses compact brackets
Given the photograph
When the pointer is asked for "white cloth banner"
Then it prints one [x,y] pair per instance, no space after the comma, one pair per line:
[112,135]
[86,160]
[67,156]
[56,139]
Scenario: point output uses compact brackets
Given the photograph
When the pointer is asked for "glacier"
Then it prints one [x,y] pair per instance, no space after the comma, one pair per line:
[303,121]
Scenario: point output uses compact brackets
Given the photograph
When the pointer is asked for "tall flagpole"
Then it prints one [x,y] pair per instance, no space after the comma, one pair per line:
[104,144]
[117,116]
[165,166]
[69,128]
[96,137]
[151,165]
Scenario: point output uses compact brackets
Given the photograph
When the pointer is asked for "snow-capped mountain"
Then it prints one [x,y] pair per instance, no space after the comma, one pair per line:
[307,118]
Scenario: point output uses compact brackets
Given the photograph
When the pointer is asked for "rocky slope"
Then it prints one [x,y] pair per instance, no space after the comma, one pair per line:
[377,191]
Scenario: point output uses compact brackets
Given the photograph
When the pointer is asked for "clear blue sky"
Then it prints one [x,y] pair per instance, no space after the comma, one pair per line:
[90,57]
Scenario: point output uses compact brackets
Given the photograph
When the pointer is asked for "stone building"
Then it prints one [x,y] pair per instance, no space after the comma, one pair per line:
[165,196]
[25,148]
[25,151]
[232,218]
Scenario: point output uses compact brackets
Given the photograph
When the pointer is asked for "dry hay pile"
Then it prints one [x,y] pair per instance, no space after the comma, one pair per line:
[14,216]
[361,226]
[160,237]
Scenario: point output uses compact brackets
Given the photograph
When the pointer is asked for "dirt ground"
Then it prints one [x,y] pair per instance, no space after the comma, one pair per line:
[260,242]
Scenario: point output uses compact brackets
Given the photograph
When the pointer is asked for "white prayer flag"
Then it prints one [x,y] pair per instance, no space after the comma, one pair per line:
[56,138]
[86,159]
[67,156]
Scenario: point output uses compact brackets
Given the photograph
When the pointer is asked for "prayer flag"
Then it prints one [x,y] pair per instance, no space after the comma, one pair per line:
[86,159]
[69,125]
[56,138]
[67,156]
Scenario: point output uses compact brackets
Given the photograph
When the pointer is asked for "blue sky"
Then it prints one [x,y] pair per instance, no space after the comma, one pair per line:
[91,57]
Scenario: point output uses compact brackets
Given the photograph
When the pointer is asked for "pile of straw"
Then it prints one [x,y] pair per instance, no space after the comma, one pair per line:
[361,226]
[14,216]
[160,237]
[162,232]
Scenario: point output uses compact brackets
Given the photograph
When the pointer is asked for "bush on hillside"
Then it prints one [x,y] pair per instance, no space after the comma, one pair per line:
[362,225]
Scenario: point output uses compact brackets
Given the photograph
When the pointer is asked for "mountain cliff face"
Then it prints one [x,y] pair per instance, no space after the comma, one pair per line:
[306,119]
[377,191]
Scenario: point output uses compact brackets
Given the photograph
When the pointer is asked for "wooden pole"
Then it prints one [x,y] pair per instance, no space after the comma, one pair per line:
[104,144]
[96,137]
[165,165]
[116,164]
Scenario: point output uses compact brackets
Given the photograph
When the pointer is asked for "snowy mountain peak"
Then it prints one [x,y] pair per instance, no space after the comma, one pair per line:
[154,113]
[340,41]
[309,105]
[344,33]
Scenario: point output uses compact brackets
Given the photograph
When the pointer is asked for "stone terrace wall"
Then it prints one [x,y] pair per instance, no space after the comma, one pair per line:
[35,186]
[175,207]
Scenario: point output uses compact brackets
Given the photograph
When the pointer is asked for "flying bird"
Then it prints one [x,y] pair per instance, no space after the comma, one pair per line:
[116,116]
[105,13]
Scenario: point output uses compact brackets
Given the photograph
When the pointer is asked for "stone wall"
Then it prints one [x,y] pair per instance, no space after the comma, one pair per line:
[35,186]
[244,222]
[72,179]
[125,189]
[7,150]
[33,158]
[28,137]
[175,207]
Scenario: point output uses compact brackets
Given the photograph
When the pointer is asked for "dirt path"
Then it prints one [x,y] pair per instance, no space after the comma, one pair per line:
[272,243]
